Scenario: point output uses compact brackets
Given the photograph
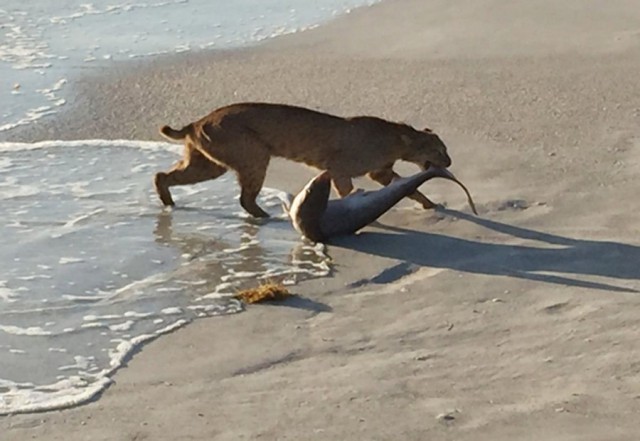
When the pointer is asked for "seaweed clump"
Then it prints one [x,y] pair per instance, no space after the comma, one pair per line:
[265,292]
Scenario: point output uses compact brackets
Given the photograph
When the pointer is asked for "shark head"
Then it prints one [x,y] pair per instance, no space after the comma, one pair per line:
[308,206]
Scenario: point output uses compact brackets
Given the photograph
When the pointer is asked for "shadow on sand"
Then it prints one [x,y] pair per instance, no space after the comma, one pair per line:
[560,255]
[299,302]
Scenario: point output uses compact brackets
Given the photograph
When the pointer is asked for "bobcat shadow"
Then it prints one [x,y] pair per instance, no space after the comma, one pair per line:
[566,258]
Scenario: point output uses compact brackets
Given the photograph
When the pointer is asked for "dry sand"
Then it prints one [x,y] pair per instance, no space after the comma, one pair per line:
[519,324]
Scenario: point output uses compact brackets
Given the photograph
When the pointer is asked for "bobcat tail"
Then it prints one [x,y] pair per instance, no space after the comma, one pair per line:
[176,135]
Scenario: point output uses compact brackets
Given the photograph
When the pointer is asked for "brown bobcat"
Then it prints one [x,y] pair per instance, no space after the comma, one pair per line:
[244,136]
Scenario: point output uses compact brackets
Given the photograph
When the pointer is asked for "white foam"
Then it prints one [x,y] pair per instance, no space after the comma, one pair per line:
[243,247]
[65,393]
[75,298]
[234,306]
[169,289]
[136,286]
[93,325]
[223,290]
[49,92]
[7,295]
[102,143]
[35,113]
[124,326]
[89,9]
[93,318]
[17,330]
[74,390]
[138,314]
[81,363]
[84,217]
[68,260]
[11,189]
[5,164]
[23,50]
[34,277]
[235,275]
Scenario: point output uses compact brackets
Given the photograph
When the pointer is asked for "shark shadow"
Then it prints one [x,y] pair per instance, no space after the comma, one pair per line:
[565,257]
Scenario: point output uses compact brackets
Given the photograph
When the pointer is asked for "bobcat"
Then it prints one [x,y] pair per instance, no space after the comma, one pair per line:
[244,136]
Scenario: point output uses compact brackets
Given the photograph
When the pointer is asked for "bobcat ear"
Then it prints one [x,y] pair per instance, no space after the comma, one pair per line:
[405,139]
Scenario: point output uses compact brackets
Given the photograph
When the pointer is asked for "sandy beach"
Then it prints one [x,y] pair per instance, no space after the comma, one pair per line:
[517,324]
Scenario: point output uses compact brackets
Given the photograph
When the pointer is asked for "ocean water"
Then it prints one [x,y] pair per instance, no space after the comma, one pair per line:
[45,44]
[91,266]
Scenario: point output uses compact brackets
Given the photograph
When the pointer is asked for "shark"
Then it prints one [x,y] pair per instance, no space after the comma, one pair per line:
[320,219]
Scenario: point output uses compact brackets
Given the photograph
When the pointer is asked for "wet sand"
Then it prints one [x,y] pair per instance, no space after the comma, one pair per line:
[520,323]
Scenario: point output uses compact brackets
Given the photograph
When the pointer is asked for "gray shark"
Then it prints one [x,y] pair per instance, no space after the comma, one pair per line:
[319,219]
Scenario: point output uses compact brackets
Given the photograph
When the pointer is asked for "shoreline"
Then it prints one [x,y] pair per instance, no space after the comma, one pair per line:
[318,55]
[124,82]
[434,324]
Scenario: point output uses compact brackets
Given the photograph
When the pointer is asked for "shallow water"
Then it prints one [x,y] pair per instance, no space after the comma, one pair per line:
[44,44]
[92,265]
